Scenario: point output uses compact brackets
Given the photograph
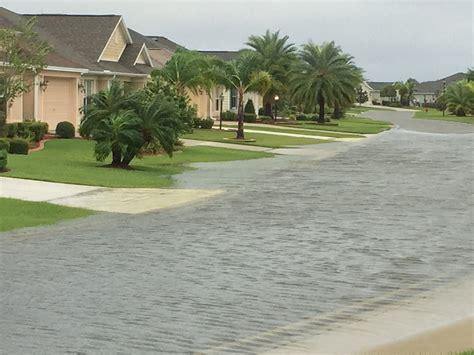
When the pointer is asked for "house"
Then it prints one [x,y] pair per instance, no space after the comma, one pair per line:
[88,51]
[428,91]
[230,98]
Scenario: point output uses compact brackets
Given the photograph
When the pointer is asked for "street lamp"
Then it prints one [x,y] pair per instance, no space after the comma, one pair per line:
[221,100]
[276,106]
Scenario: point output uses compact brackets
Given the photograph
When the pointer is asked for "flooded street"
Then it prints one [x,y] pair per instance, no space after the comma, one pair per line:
[293,237]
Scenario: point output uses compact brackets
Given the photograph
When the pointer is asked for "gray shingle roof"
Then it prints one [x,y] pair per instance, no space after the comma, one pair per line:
[78,40]
[161,42]
[436,86]
[379,85]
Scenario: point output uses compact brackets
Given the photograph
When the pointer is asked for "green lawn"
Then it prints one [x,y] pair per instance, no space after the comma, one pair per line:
[361,109]
[262,140]
[19,214]
[71,161]
[434,114]
[350,125]
[309,132]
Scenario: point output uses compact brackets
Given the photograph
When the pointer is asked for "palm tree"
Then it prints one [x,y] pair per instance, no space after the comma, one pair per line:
[275,56]
[406,90]
[470,75]
[459,98]
[242,74]
[118,134]
[186,71]
[324,76]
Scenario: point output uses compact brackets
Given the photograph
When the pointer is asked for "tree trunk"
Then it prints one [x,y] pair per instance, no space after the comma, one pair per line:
[3,117]
[240,113]
[321,103]
[116,156]
[267,104]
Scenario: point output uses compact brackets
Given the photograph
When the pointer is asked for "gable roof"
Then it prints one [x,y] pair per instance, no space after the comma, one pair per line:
[161,42]
[432,87]
[224,55]
[379,85]
[77,41]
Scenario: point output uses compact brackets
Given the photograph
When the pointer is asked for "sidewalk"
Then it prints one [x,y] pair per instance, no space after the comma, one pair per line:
[117,200]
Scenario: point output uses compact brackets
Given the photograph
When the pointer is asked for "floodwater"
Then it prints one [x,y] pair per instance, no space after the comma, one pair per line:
[293,238]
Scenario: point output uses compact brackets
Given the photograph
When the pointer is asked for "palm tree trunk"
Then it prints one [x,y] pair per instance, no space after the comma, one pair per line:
[3,117]
[240,113]
[116,156]
[321,103]
[267,104]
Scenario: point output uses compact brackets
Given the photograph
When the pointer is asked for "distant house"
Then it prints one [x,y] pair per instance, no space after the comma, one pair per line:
[425,92]
[231,100]
[428,91]
[88,52]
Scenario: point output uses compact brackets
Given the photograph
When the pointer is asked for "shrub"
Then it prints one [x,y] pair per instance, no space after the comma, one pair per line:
[4,144]
[265,119]
[23,131]
[65,129]
[250,117]
[229,116]
[196,122]
[249,107]
[261,111]
[207,123]
[3,160]
[37,130]
[19,146]
[303,117]
[395,104]
[12,129]
[375,102]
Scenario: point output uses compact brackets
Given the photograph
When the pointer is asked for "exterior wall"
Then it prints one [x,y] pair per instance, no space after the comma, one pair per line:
[215,94]
[114,48]
[15,110]
[29,102]
[425,98]
[160,56]
[202,104]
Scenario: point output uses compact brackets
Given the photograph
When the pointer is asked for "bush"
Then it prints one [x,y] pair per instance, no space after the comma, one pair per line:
[4,144]
[65,129]
[303,117]
[261,111]
[37,130]
[12,129]
[265,119]
[249,107]
[395,104]
[196,122]
[3,160]
[250,117]
[229,116]
[19,146]
[207,123]
[375,102]
[23,131]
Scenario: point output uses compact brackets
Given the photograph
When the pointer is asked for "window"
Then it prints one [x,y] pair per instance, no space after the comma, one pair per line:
[88,91]
[233,98]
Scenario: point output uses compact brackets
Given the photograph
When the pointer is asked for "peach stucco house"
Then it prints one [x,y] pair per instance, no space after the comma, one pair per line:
[88,52]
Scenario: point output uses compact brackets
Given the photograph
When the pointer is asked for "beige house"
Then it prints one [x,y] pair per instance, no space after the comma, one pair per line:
[88,52]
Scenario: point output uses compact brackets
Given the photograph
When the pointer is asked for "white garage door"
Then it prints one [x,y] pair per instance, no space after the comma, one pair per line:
[58,103]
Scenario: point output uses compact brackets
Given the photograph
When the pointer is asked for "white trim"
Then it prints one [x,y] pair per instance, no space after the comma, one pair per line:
[121,23]
[147,54]
[66,69]
[118,73]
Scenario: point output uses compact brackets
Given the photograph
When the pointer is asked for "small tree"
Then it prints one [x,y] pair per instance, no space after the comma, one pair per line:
[361,95]
[389,91]
[249,107]
[22,53]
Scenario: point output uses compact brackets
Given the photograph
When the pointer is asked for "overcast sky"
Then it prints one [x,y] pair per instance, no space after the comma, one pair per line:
[390,40]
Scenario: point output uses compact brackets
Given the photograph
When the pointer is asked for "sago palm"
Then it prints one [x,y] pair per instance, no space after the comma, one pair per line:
[324,76]
[242,75]
[275,56]
[459,98]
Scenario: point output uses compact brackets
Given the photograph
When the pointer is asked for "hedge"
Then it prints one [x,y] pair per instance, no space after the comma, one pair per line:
[12,129]
[28,130]
[4,144]
[250,117]
[204,123]
[264,118]
[18,146]
[229,116]
[3,160]
[65,129]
